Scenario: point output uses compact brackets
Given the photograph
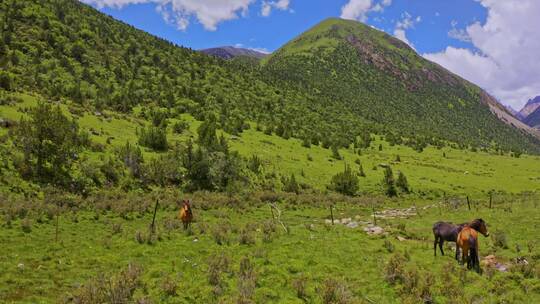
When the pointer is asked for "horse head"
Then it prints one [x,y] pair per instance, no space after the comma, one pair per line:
[480,226]
[186,205]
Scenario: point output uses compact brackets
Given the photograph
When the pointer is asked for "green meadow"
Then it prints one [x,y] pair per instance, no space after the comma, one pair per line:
[102,249]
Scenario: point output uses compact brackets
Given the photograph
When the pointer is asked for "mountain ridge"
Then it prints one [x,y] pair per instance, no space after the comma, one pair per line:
[230,52]
[529,107]
[386,81]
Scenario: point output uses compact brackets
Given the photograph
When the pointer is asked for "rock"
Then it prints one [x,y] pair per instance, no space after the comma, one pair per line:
[352,224]
[357,217]
[375,230]
[345,221]
[328,222]
[20,266]
[490,261]
[401,239]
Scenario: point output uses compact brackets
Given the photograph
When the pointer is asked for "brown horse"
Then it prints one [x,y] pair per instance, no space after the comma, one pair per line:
[444,231]
[467,240]
[186,215]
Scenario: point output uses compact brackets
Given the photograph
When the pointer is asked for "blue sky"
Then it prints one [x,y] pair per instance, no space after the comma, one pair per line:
[465,36]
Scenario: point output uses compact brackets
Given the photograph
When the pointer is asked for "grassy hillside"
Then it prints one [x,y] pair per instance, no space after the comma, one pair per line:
[381,79]
[430,173]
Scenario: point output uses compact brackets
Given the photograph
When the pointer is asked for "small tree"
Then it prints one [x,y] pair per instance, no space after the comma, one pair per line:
[154,138]
[389,182]
[50,142]
[290,185]
[345,182]
[335,152]
[207,133]
[361,172]
[402,183]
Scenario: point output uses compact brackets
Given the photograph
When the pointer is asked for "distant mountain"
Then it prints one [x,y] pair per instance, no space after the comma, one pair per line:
[532,105]
[229,52]
[533,119]
[368,73]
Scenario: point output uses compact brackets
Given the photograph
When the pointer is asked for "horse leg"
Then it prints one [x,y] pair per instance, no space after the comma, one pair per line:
[441,242]
[435,245]
[457,252]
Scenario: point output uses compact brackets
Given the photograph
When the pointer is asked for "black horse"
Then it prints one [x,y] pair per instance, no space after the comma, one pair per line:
[444,231]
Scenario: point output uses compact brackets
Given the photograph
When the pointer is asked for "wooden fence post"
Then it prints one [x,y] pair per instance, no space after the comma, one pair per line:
[374,216]
[154,218]
[490,198]
[332,213]
[56,233]
[468,203]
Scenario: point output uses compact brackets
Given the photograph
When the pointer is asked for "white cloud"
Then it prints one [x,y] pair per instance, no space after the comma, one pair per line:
[267,6]
[401,35]
[407,22]
[358,9]
[179,12]
[508,43]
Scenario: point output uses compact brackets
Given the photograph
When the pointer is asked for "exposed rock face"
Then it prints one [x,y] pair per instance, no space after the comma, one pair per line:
[533,119]
[531,106]
[504,114]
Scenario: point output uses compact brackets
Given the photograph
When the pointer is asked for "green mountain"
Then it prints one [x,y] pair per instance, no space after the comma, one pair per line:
[377,77]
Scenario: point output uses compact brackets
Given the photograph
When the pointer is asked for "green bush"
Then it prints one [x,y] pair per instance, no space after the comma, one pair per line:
[154,138]
[345,182]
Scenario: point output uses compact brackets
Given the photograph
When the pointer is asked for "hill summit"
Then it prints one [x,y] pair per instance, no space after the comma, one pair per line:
[370,74]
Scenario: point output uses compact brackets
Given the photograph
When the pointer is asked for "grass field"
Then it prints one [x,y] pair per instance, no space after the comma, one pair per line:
[237,253]
[39,270]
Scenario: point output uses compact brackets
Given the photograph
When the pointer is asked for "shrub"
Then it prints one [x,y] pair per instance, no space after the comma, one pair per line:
[402,183]
[499,239]
[154,138]
[169,286]
[220,233]
[300,284]
[268,229]
[180,126]
[217,264]
[389,246]
[335,292]
[389,182]
[115,289]
[290,184]
[116,228]
[345,182]
[335,152]
[26,225]
[394,271]
[246,236]
[246,281]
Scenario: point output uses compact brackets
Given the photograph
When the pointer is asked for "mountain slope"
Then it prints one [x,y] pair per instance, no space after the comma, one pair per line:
[531,106]
[383,80]
[67,50]
[229,52]
[533,119]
